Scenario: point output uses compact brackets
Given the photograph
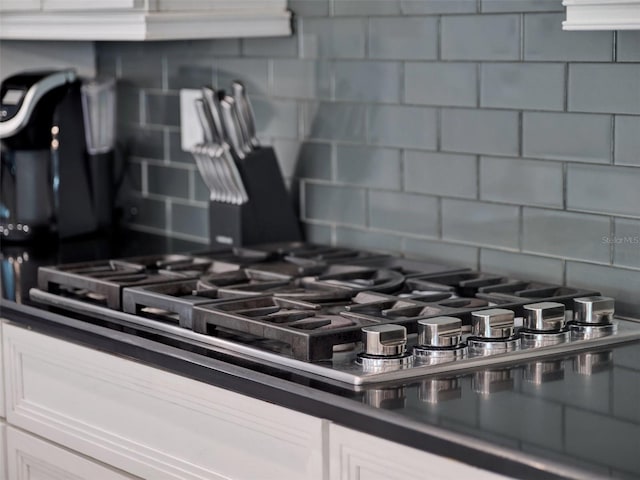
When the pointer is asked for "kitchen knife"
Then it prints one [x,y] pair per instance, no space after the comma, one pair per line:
[245,111]
[231,127]
[210,96]
[234,174]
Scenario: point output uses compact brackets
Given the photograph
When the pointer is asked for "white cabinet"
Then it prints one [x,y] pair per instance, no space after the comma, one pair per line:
[151,423]
[358,456]
[3,450]
[31,458]
[602,15]
[142,19]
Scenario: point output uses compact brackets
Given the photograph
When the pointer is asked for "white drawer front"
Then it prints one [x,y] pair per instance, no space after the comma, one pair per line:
[358,456]
[31,458]
[149,422]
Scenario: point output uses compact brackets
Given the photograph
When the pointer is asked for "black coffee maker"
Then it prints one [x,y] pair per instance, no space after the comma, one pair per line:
[52,186]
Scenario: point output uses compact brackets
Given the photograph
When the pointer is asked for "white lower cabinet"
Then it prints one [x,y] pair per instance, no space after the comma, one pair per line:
[31,458]
[358,456]
[150,423]
[3,450]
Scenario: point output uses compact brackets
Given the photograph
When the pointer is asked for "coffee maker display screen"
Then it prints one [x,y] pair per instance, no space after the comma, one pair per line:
[12,97]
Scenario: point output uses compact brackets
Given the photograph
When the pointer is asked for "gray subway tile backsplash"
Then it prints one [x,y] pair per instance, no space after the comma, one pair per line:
[566,234]
[537,86]
[332,37]
[545,40]
[462,131]
[627,140]
[604,189]
[382,80]
[480,131]
[522,182]
[445,174]
[435,83]
[486,37]
[369,166]
[607,88]
[403,38]
[567,136]
[403,212]
[346,205]
[480,223]
[402,126]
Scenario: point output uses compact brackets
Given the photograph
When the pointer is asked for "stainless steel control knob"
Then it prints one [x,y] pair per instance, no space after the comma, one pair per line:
[594,310]
[439,332]
[384,340]
[544,317]
[494,323]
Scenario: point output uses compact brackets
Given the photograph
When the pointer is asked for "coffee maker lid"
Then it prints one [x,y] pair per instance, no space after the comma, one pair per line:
[21,93]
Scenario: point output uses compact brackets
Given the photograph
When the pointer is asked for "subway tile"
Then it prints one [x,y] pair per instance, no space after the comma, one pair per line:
[403,212]
[605,189]
[168,181]
[176,154]
[127,102]
[626,243]
[297,78]
[335,204]
[276,117]
[431,7]
[162,109]
[192,48]
[316,233]
[627,356]
[619,283]
[253,72]
[370,240]
[366,7]
[519,85]
[333,37]
[189,72]
[566,234]
[309,8]
[304,160]
[609,88]
[367,81]
[147,143]
[369,166]
[602,439]
[585,468]
[407,38]
[522,266]
[144,71]
[148,212]
[219,47]
[201,192]
[190,220]
[523,182]
[628,46]
[402,126]
[106,64]
[270,47]
[541,425]
[133,176]
[480,131]
[567,136]
[442,252]
[545,40]
[475,37]
[480,223]
[450,84]
[445,174]
[520,5]
[626,406]
[335,121]
[627,140]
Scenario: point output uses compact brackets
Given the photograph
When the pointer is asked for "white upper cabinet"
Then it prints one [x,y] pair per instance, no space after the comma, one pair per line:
[142,19]
[602,15]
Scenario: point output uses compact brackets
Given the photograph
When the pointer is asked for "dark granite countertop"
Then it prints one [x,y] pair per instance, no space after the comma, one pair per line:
[572,417]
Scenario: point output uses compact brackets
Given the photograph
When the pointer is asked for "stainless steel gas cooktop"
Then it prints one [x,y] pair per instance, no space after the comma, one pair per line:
[342,316]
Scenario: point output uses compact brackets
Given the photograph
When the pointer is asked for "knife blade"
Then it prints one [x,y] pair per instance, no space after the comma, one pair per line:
[232,128]
[245,111]
[210,96]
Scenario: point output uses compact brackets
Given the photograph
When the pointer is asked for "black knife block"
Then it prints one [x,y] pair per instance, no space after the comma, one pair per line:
[267,217]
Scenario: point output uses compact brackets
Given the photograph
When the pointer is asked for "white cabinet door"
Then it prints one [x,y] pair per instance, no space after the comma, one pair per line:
[19,5]
[358,456]
[151,423]
[30,458]
[2,408]
[3,450]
